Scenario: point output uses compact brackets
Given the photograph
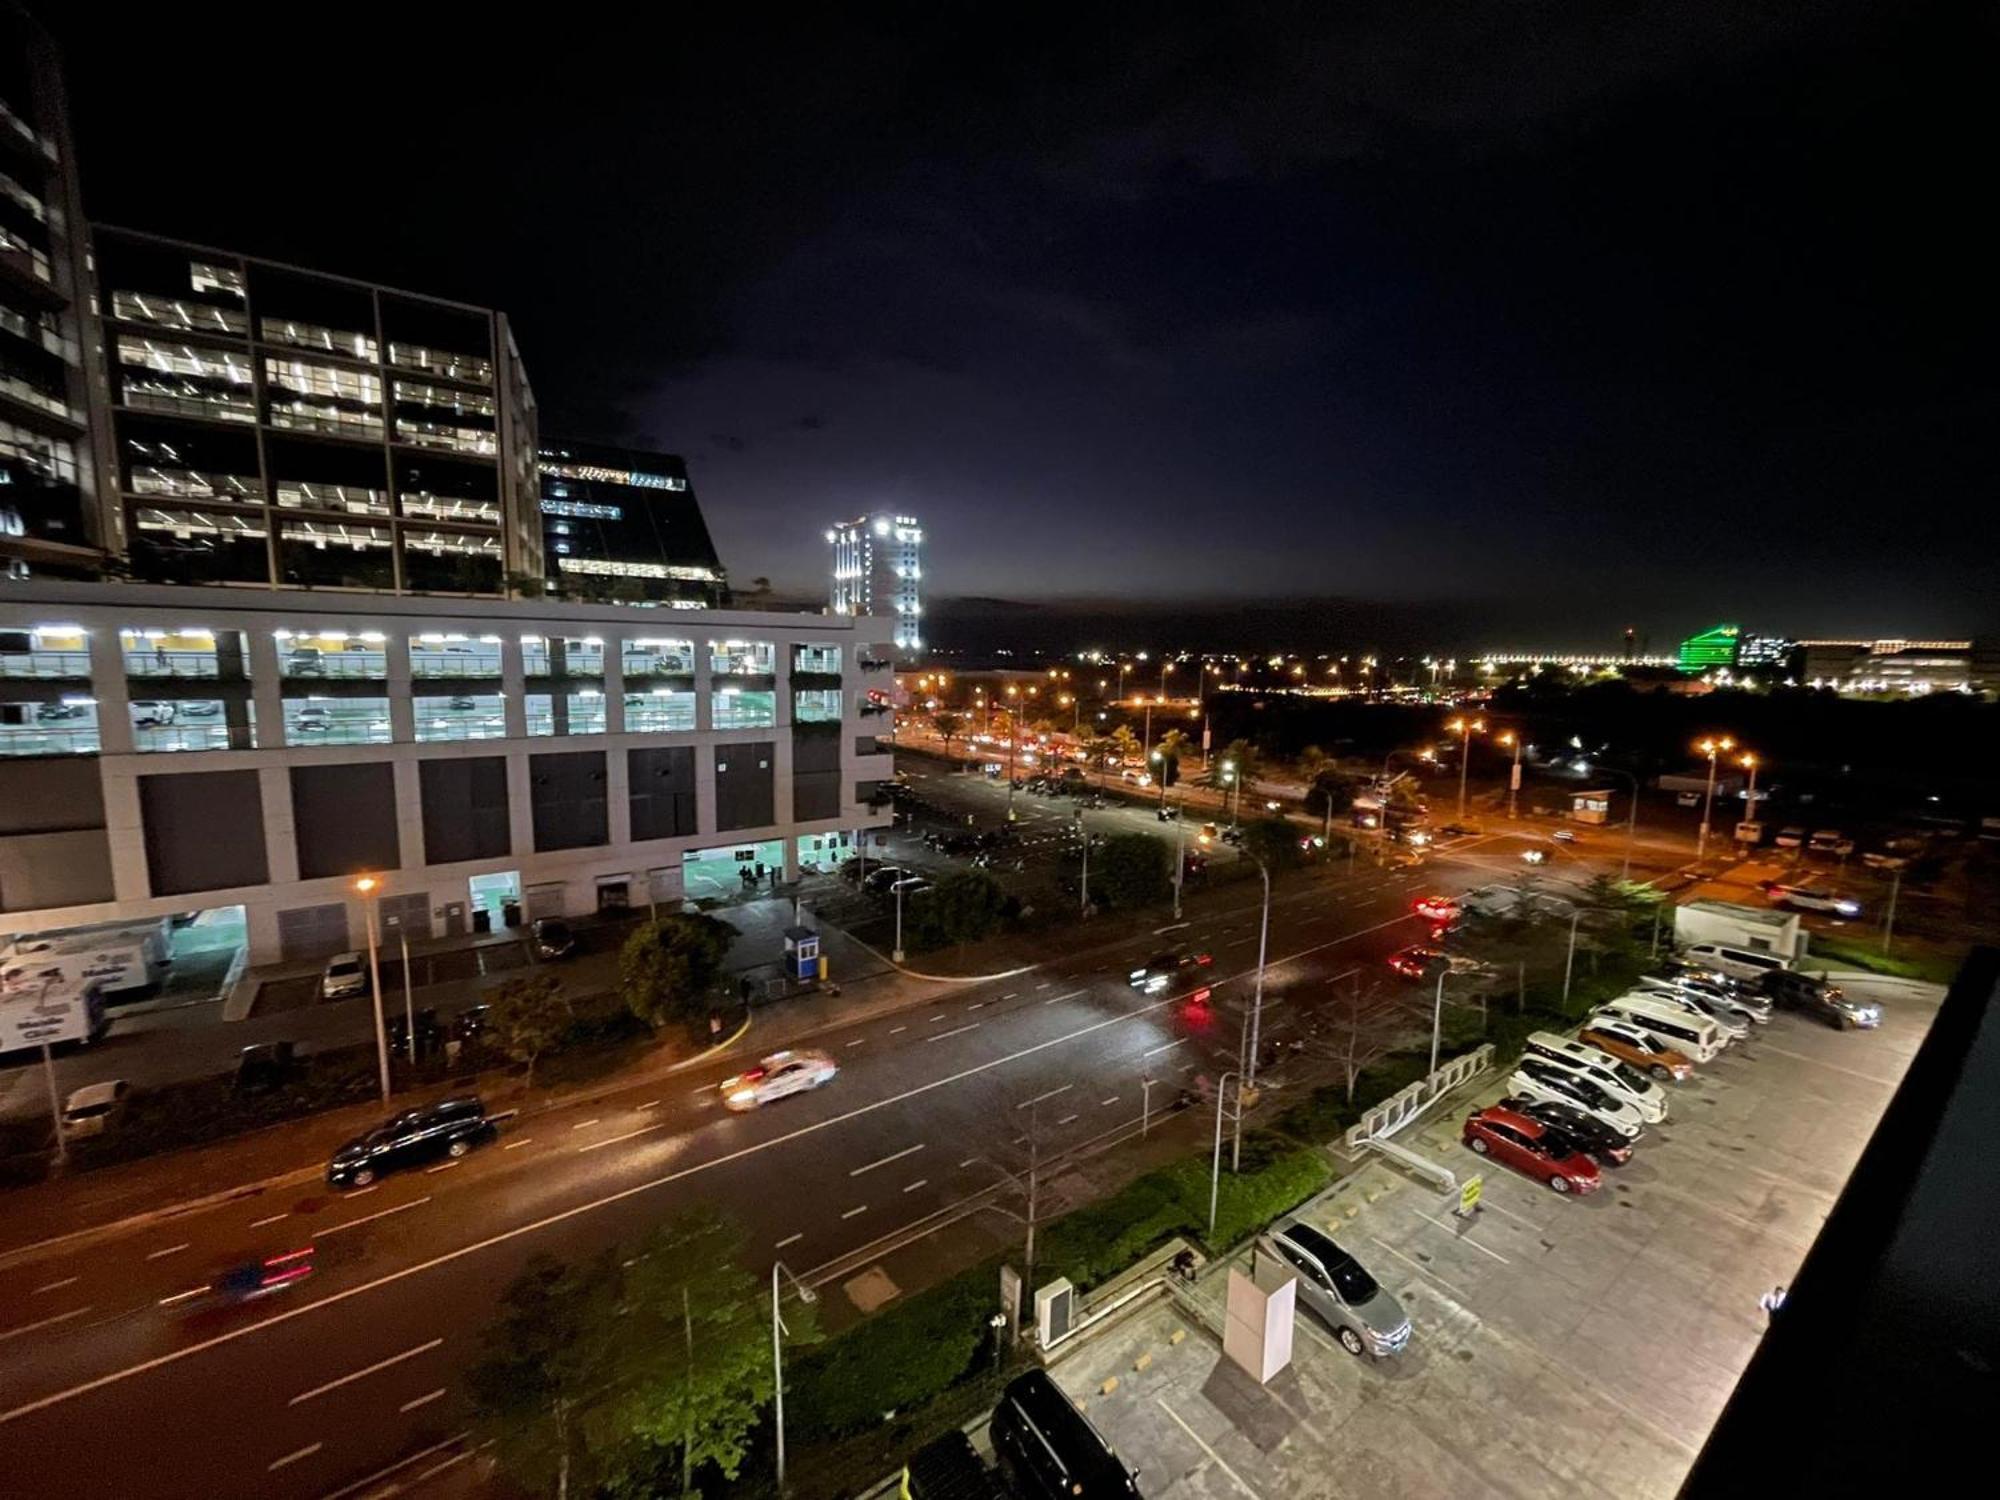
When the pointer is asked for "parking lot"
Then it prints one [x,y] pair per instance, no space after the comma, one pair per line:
[1562,1346]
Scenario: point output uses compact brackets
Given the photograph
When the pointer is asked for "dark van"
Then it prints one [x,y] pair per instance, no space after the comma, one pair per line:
[1048,1450]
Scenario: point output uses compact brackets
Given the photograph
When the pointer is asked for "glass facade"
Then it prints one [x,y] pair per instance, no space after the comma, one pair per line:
[660,711]
[462,717]
[578,712]
[336,721]
[742,658]
[734,708]
[816,706]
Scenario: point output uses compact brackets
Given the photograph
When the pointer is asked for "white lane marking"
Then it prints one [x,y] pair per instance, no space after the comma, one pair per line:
[14,1333]
[1070,996]
[967,1162]
[274,1218]
[1064,1089]
[170,1250]
[292,1458]
[362,1192]
[790,1239]
[365,1372]
[884,1161]
[1011,994]
[402,1463]
[1163,1047]
[443,1166]
[55,1286]
[1465,1239]
[1170,927]
[649,1104]
[421,1400]
[619,1140]
[1066,1120]
[562,1216]
[516,1145]
[894,1029]
[1425,1271]
[857,1041]
[853,1211]
[955,1031]
[934,1019]
[977,1005]
[1234,1477]
[920,1182]
[586,1124]
[1045,984]
[1106,1103]
[193,1291]
[370,1218]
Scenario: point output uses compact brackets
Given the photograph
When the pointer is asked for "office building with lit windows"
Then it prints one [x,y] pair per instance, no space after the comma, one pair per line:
[244,755]
[878,569]
[620,523]
[51,520]
[270,427]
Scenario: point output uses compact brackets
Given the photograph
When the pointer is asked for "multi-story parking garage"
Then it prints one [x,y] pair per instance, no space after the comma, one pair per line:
[168,750]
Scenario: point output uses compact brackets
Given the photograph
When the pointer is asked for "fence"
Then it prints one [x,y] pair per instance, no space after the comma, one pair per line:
[1399,1109]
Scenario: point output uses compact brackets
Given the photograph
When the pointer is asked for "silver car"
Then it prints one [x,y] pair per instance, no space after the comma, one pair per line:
[1716,999]
[1365,1318]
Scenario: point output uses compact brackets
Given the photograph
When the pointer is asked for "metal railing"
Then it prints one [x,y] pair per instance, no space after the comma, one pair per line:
[349,664]
[34,739]
[160,663]
[72,664]
[1383,1120]
[434,664]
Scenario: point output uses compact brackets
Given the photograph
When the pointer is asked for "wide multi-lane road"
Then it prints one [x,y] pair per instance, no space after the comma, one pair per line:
[114,1379]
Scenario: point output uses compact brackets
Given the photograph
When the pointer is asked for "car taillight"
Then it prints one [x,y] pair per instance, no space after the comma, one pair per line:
[1205,958]
[1199,997]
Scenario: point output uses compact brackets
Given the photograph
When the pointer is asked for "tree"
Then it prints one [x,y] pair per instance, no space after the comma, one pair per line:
[1172,746]
[962,907]
[528,1015]
[1124,743]
[1331,793]
[1133,869]
[1364,1030]
[667,969]
[1273,843]
[1101,748]
[1313,762]
[600,1377]
[1243,756]
[948,727]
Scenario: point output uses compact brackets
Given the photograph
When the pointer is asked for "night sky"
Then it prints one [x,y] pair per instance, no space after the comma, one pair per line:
[1539,319]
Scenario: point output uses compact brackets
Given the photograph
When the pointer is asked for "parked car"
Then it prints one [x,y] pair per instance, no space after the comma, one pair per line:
[1719,997]
[1604,1070]
[1538,1078]
[1831,842]
[882,877]
[1732,1026]
[1809,898]
[343,975]
[430,1035]
[780,1074]
[449,1128]
[1564,835]
[1531,1148]
[1734,963]
[1173,966]
[1629,1044]
[1827,1002]
[1365,1318]
[470,1024]
[304,661]
[1048,1450]
[1607,1145]
[152,715]
[312,719]
[910,885]
[1790,838]
[1695,1037]
[554,939]
[267,1065]
[96,1108]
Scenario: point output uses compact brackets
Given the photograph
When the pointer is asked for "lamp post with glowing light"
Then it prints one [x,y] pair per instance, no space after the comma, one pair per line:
[1514,778]
[1711,748]
[369,888]
[1749,763]
[1465,729]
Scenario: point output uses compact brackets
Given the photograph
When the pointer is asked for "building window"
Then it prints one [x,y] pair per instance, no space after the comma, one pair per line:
[816,706]
[465,716]
[55,725]
[577,712]
[353,500]
[185,380]
[443,362]
[60,652]
[323,654]
[201,546]
[435,416]
[335,554]
[336,721]
[663,657]
[742,658]
[183,651]
[350,345]
[177,314]
[660,711]
[454,656]
[423,505]
[451,562]
[310,397]
[824,659]
[733,708]
[562,656]
[193,724]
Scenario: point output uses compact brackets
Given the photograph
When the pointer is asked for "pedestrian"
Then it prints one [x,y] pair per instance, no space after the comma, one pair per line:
[160,657]
[760,872]
[1771,1301]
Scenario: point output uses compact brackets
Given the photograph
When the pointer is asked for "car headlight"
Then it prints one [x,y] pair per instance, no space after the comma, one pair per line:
[743,1096]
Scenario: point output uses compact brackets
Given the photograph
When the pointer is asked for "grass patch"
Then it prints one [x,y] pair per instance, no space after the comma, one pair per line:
[1915,964]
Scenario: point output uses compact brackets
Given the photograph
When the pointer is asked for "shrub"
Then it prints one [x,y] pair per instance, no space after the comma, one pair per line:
[1276,1178]
[905,1354]
[1097,1242]
[1135,870]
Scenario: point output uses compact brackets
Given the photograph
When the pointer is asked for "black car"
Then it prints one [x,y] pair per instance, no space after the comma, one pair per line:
[1591,1136]
[450,1127]
[268,1065]
[1164,969]
[1817,998]
[470,1024]
[430,1036]
[1048,1449]
[553,938]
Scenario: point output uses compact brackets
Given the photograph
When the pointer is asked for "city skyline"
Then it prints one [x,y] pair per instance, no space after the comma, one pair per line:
[1115,331]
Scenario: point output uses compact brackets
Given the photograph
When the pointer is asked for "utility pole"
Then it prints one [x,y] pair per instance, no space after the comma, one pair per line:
[1569,963]
[899,921]
[806,1294]
[1437,1016]
[1889,917]
[1257,1003]
[1180,855]
[1215,1165]
[1084,886]
[368,886]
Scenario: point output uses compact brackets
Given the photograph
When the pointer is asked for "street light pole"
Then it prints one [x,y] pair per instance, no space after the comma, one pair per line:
[899,921]
[1889,917]
[368,885]
[1180,855]
[1257,999]
[1569,963]
[1084,886]
[1013,739]
[806,1294]
[1514,779]
[409,1004]
[1750,794]
[1710,748]
[1215,1166]
[1437,1016]
[1466,729]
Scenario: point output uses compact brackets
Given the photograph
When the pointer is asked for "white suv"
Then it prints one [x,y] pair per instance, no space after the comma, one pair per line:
[1538,1078]
[1604,1070]
[1736,963]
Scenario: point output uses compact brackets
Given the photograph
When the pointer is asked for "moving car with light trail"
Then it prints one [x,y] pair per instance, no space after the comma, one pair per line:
[1164,970]
[790,1072]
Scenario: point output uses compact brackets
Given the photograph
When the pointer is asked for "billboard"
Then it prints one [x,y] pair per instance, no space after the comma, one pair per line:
[46,1009]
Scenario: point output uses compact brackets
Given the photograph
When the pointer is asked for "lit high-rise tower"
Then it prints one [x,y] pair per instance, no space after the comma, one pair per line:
[878,569]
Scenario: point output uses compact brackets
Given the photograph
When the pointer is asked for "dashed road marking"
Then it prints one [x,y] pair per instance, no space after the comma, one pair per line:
[370,1218]
[517,1145]
[292,1458]
[853,1211]
[955,1031]
[920,1182]
[14,1333]
[365,1371]
[884,1161]
[790,1239]
[260,1223]
[586,1124]
[424,1400]
[170,1250]
[56,1286]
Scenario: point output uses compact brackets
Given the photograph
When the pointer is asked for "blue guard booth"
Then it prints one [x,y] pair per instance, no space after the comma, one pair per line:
[801,953]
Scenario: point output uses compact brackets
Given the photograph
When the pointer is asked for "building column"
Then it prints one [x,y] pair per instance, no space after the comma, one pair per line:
[402,705]
[267,688]
[409,814]
[513,688]
[281,844]
[124,827]
[109,688]
[704,789]
[520,805]
[617,796]
[704,683]
[614,686]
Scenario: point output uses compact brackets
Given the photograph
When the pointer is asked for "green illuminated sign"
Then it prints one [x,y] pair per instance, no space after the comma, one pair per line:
[1712,648]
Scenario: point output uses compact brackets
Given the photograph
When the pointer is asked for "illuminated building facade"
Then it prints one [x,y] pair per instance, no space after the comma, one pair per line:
[1713,648]
[878,570]
[620,523]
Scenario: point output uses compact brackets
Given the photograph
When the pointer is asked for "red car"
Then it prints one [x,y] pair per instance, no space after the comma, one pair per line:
[1441,910]
[1416,961]
[1533,1149]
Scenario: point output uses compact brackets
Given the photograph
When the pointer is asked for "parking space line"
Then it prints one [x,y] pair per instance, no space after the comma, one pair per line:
[1465,1239]
[1222,1464]
[1422,1270]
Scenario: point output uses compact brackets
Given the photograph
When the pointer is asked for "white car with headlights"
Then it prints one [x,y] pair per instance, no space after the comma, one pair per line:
[1698,1007]
[1540,1079]
[782,1073]
[1725,999]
